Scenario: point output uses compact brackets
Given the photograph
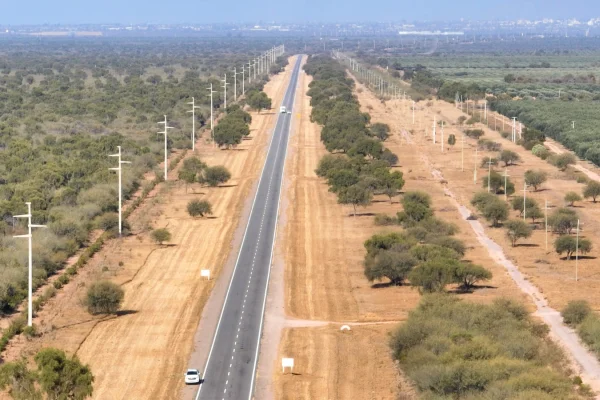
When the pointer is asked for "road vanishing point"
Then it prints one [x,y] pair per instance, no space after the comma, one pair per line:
[231,366]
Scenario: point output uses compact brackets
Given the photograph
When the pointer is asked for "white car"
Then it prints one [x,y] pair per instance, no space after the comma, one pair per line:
[192,377]
[282,109]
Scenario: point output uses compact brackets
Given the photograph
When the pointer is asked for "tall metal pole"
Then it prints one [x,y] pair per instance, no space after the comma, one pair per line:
[234,84]
[524,200]
[546,220]
[119,172]
[225,90]
[212,128]
[462,153]
[442,136]
[30,253]
[475,169]
[166,133]
[243,78]
[193,111]
[577,253]
[505,184]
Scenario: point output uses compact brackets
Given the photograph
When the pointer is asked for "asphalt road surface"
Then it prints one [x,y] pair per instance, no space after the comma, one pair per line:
[231,366]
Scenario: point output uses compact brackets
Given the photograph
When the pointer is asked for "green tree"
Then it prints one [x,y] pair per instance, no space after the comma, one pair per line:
[563,220]
[451,139]
[517,204]
[357,195]
[416,206]
[161,235]
[568,244]
[517,229]
[187,176]
[571,198]
[214,176]
[575,312]
[563,160]
[392,265]
[433,275]
[509,157]
[193,164]
[380,131]
[535,178]
[199,208]
[592,189]
[230,131]
[19,380]
[481,199]
[259,101]
[104,297]
[61,377]
[366,147]
[391,182]
[534,213]
[539,150]
[467,274]
[495,212]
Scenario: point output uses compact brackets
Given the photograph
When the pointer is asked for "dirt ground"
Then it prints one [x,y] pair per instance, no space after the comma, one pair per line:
[324,282]
[143,352]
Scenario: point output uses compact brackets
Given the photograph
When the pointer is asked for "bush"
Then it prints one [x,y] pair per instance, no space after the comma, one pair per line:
[104,297]
[575,312]
[509,157]
[474,133]
[467,275]
[161,235]
[433,275]
[571,198]
[392,265]
[592,190]
[384,220]
[214,176]
[199,208]
[539,150]
[495,212]
[562,161]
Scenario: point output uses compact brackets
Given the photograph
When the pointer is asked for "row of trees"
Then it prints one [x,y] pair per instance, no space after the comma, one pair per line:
[360,166]
[425,253]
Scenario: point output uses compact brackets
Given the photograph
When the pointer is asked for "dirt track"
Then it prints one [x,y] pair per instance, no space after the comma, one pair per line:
[143,352]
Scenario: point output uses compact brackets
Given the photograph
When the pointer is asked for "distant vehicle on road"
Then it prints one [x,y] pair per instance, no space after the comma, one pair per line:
[282,109]
[192,377]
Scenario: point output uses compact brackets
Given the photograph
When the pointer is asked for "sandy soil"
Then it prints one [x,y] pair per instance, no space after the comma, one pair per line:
[325,287]
[143,352]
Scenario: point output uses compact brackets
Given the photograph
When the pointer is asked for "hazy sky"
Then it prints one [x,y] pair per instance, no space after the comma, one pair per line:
[205,11]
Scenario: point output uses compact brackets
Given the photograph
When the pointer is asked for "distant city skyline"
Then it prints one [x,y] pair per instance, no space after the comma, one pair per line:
[186,11]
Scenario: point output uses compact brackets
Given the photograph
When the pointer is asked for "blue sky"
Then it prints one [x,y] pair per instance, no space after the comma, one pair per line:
[204,11]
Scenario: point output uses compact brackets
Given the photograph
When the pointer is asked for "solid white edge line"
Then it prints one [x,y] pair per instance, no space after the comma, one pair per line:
[262,319]
[237,260]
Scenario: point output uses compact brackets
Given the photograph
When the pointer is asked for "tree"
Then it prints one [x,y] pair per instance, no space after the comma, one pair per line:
[388,156]
[467,274]
[575,312]
[213,176]
[496,183]
[104,297]
[495,212]
[187,176]
[230,131]
[568,244]
[259,101]
[357,195]
[562,161]
[509,78]
[535,178]
[534,213]
[366,147]
[199,208]
[390,264]
[509,157]
[539,150]
[416,206]
[451,139]
[517,229]
[380,131]
[563,220]
[433,275]
[61,377]
[571,198]
[592,189]
[161,235]
[19,380]
[517,204]
[391,182]
[481,199]
[193,164]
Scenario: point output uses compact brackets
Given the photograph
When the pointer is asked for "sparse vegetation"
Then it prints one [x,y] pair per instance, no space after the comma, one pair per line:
[199,208]
[161,235]
[104,297]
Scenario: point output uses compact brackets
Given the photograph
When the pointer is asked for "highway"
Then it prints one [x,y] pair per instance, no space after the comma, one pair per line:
[231,366]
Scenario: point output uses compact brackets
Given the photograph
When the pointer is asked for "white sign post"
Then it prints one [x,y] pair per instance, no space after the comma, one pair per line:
[205,273]
[287,362]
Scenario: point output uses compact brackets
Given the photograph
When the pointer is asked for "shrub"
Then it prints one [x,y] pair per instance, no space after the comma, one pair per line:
[384,220]
[509,157]
[467,275]
[392,265]
[488,161]
[161,235]
[214,176]
[562,161]
[571,198]
[535,178]
[592,190]
[433,275]
[199,208]
[575,312]
[517,229]
[481,199]
[495,212]
[474,133]
[539,150]
[568,244]
[104,297]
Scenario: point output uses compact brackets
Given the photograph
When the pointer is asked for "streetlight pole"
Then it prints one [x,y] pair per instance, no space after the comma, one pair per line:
[166,133]
[30,275]
[193,111]
[212,128]
[225,91]
[119,172]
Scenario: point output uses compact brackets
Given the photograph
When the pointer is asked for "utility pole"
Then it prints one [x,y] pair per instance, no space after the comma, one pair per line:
[442,136]
[30,275]
[225,91]
[243,77]
[249,72]
[475,169]
[489,163]
[524,199]
[577,253]
[193,111]
[165,132]
[119,172]
[234,84]
[433,132]
[462,153]
[212,128]
[514,130]
[573,124]
[413,112]
[546,220]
